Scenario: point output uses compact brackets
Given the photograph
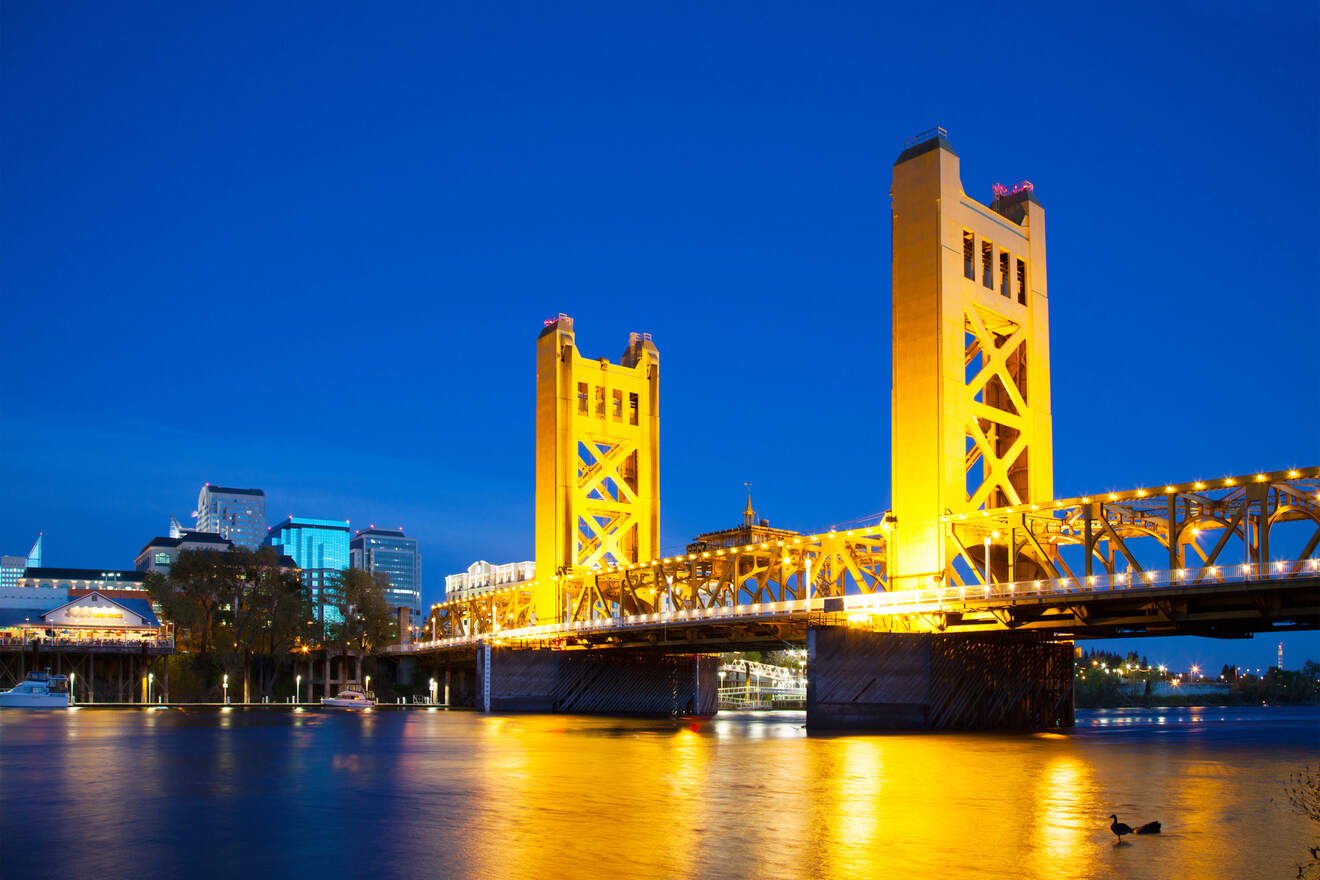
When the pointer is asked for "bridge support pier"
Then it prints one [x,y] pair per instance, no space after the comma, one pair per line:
[862,680]
[596,682]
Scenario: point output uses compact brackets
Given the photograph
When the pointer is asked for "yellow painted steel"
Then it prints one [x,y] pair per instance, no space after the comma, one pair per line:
[597,461]
[971,422]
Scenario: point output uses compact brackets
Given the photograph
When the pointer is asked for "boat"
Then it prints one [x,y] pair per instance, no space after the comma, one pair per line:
[40,690]
[351,697]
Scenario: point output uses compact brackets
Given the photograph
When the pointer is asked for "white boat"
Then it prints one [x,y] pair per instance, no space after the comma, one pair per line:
[351,697]
[40,690]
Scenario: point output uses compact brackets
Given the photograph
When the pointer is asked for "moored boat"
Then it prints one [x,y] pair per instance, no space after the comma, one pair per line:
[351,697]
[40,690]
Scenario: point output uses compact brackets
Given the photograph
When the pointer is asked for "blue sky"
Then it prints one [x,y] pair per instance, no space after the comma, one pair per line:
[309,247]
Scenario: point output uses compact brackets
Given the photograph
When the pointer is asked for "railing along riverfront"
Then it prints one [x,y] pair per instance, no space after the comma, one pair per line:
[932,599]
[47,642]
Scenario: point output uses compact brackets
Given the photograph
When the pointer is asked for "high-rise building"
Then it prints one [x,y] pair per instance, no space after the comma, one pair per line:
[236,514]
[320,549]
[12,567]
[391,552]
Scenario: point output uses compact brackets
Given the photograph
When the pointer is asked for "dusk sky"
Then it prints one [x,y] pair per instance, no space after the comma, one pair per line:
[309,247]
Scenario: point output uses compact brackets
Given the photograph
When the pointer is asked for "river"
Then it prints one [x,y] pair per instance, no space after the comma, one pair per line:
[102,793]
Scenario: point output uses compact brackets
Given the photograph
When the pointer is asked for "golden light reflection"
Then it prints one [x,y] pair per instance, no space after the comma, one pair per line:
[1066,814]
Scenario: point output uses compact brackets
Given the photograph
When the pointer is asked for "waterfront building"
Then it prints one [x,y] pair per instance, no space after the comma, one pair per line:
[483,577]
[85,580]
[236,514]
[751,531]
[89,617]
[392,553]
[162,552]
[319,547]
[12,567]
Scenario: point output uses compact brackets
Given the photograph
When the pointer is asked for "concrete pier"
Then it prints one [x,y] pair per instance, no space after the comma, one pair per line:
[862,680]
[596,682]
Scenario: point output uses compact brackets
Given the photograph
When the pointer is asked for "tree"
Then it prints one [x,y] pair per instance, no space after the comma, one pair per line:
[239,606]
[1304,796]
[366,621]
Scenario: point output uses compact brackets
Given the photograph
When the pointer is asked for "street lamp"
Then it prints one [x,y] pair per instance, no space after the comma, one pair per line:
[73,679]
[151,677]
[297,690]
[367,685]
[225,685]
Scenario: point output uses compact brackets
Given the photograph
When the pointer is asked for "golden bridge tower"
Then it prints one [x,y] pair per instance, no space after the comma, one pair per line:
[597,460]
[971,385]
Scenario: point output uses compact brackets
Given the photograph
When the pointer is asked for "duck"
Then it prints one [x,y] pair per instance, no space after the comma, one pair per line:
[1121,828]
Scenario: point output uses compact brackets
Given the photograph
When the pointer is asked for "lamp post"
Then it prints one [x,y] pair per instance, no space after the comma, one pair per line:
[367,683]
[73,679]
[225,685]
[297,690]
[151,677]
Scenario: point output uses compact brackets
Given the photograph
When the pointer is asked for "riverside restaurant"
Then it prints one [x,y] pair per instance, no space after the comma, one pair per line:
[93,619]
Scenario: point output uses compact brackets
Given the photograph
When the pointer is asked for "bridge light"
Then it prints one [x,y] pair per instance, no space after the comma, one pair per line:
[1086,500]
[1260,478]
[1141,493]
[1200,485]
[1292,473]
[1169,489]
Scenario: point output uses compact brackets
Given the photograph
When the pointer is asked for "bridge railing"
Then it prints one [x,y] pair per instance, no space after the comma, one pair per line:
[913,601]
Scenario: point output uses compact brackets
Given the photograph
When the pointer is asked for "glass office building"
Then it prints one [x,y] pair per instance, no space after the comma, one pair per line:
[236,514]
[394,554]
[320,549]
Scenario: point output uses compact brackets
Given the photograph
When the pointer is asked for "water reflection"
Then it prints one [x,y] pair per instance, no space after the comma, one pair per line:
[452,794]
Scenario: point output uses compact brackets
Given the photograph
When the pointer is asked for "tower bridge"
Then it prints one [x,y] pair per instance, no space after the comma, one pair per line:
[958,607]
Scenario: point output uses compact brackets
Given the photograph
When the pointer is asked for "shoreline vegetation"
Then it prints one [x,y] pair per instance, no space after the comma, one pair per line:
[241,616]
[1103,680]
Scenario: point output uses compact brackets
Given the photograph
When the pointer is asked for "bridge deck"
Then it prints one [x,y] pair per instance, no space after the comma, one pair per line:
[1233,603]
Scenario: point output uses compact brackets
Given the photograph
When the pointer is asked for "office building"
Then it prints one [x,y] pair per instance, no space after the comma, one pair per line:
[319,547]
[390,552]
[12,567]
[236,514]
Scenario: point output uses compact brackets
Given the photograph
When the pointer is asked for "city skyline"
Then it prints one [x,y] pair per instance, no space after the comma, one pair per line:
[741,218]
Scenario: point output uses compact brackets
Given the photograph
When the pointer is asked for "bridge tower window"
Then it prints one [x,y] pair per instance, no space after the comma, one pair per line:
[1022,282]
[988,265]
[969,255]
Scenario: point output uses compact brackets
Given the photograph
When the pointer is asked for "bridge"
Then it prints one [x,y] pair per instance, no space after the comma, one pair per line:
[956,608]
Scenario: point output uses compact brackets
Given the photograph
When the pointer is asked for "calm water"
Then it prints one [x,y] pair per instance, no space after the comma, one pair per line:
[170,793]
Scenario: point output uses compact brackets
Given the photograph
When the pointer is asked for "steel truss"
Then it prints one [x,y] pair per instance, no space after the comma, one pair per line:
[1187,531]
